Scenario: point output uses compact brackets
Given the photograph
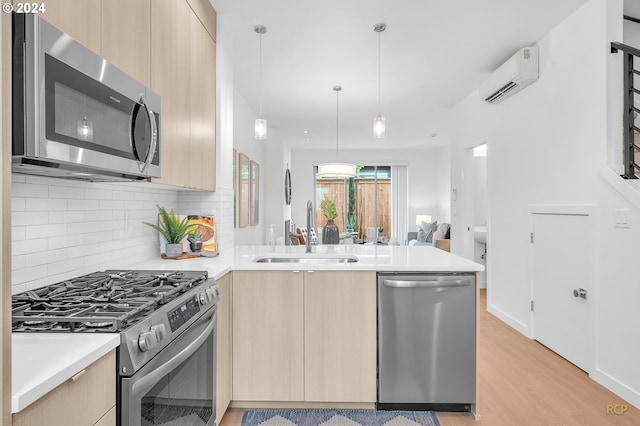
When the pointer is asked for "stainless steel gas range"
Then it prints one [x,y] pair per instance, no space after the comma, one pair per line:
[167,324]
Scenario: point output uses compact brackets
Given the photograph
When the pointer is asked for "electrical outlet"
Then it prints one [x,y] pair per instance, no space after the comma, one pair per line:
[622,218]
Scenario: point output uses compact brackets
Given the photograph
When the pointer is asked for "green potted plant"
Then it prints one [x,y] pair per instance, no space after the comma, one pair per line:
[330,232]
[173,229]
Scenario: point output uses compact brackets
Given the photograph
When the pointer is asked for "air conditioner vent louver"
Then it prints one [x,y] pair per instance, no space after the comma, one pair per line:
[514,75]
[502,91]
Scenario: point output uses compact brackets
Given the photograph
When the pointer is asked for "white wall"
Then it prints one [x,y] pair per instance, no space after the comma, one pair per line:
[548,145]
[427,175]
[244,141]
[278,158]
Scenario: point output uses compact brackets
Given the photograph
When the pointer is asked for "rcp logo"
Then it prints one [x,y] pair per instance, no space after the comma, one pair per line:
[617,409]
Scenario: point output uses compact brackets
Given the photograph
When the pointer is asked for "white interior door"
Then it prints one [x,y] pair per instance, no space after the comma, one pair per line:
[561,283]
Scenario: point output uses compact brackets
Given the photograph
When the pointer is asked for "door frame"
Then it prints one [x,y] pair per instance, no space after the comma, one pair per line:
[590,211]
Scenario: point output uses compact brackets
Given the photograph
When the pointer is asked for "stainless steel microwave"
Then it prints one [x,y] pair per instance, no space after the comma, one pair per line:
[74,114]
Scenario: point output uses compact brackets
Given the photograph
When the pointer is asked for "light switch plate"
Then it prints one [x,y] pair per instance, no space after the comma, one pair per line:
[622,218]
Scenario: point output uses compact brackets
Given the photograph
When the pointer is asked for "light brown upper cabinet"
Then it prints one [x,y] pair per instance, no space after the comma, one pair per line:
[78,18]
[126,37]
[183,73]
[202,84]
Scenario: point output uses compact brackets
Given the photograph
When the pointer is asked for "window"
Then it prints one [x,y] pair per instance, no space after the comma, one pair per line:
[362,202]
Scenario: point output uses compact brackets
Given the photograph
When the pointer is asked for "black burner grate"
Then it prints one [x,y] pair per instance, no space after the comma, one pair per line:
[105,301]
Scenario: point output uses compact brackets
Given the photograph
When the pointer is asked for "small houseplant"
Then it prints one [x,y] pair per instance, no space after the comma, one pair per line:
[330,232]
[173,229]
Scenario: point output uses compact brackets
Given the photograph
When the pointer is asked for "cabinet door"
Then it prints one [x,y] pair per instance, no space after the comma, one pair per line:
[268,336]
[80,401]
[223,348]
[126,37]
[202,88]
[170,79]
[78,18]
[340,336]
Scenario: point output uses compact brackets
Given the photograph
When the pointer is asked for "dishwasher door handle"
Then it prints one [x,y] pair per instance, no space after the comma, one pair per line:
[425,283]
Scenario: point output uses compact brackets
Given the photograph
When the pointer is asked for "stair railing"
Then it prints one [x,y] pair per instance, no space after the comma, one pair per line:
[631,110]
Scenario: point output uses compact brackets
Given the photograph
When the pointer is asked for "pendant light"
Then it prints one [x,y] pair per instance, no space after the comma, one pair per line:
[261,123]
[378,122]
[336,169]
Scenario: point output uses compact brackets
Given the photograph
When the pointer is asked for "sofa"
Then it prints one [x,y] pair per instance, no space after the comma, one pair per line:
[431,234]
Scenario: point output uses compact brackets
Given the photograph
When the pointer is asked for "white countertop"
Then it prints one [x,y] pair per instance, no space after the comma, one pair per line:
[371,258]
[59,357]
[42,361]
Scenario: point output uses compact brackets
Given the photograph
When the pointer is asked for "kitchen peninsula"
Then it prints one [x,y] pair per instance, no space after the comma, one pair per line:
[304,330]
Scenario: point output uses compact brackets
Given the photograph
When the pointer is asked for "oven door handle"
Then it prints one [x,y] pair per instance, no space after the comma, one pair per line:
[147,381]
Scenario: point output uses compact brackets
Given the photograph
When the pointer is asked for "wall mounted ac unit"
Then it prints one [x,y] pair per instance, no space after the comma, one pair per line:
[514,75]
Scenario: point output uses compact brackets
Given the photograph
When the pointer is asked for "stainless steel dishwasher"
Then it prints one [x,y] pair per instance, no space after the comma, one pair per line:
[426,341]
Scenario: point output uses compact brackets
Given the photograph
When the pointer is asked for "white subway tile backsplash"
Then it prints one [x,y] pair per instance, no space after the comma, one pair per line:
[29,246]
[83,205]
[29,218]
[66,241]
[21,276]
[41,231]
[62,229]
[68,192]
[45,257]
[65,266]
[17,233]
[45,204]
[29,190]
[66,216]
[18,204]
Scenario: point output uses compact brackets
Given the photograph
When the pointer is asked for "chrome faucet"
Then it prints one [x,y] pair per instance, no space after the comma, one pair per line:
[308,239]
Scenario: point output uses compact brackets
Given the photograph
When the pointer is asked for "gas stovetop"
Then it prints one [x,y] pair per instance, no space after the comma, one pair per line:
[104,302]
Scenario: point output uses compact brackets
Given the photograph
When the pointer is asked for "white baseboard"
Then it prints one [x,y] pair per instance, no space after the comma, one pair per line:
[630,395]
[511,321]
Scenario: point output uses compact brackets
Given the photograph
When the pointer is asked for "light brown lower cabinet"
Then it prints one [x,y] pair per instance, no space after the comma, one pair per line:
[268,344]
[304,336]
[89,398]
[223,347]
[340,336]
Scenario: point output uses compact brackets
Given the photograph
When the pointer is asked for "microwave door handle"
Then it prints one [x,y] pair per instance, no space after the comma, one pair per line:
[154,134]
[147,381]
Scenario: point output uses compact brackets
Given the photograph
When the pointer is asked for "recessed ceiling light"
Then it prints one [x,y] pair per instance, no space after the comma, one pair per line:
[308,139]
[305,131]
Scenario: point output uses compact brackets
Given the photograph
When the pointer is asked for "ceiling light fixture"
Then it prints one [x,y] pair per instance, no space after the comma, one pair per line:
[261,123]
[379,122]
[336,169]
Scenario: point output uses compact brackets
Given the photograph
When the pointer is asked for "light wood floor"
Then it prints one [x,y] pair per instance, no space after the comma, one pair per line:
[523,383]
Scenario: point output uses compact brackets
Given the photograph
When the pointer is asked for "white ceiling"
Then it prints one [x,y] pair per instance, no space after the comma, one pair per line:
[434,53]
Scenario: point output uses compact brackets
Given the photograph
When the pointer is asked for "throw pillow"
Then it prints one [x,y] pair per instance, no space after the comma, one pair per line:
[439,234]
[426,230]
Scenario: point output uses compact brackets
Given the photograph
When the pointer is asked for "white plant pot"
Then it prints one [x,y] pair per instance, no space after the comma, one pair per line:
[174,250]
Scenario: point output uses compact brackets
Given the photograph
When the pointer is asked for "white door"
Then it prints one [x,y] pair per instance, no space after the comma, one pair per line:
[561,284]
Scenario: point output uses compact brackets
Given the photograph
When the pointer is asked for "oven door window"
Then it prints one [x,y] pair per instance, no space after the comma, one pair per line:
[177,387]
[183,396]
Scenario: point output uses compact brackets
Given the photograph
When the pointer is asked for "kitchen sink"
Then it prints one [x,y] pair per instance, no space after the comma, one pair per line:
[312,258]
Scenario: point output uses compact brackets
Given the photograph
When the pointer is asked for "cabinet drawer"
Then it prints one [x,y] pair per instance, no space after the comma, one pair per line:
[82,400]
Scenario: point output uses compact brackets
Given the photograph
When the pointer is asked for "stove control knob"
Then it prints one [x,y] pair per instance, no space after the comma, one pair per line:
[160,330]
[205,297]
[213,293]
[147,340]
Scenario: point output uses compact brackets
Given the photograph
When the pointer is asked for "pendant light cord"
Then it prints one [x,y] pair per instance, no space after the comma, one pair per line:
[337,120]
[379,77]
[260,97]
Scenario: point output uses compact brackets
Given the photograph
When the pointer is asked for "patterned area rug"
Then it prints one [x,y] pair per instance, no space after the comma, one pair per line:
[332,417]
